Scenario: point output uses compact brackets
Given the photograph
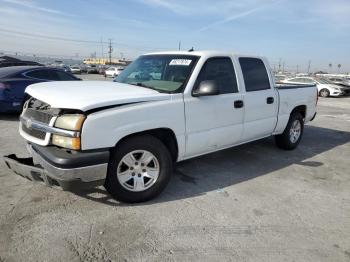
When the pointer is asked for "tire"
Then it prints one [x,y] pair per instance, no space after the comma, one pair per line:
[127,170]
[324,93]
[289,139]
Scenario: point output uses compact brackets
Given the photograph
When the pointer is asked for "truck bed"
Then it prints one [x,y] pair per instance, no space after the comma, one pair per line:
[292,86]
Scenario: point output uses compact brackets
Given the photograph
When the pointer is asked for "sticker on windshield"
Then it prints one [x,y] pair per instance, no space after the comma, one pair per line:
[180,62]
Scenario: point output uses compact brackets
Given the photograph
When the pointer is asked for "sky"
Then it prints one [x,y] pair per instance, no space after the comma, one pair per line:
[289,32]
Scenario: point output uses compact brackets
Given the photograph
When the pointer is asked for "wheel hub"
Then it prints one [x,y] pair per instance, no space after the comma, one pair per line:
[138,170]
[295,131]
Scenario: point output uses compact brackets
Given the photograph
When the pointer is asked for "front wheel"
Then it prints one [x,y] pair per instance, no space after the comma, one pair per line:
[324,93]
[292,134]
[139,169]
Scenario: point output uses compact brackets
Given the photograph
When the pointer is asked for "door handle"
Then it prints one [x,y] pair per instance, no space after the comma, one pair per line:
[270,100]
[238,104]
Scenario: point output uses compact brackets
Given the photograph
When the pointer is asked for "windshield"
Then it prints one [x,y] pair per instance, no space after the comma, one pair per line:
[164,73]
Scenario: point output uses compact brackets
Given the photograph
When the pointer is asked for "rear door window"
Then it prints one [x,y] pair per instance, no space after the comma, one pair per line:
[254,74]
[38,74]
[63,76]
[221,70]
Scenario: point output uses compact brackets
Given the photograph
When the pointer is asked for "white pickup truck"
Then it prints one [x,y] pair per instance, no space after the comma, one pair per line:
[163,108]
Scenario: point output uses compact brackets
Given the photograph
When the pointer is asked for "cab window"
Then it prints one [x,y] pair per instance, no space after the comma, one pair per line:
[254,74]
[221,70]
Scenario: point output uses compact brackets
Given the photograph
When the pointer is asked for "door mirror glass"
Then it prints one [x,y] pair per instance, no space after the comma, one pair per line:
[207,88]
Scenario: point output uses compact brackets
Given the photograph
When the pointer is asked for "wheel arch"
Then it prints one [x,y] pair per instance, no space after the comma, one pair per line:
[299,109]
[165,135]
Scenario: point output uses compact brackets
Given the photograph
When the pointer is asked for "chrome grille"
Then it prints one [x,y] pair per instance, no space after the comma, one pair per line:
[34,133]
[40,116]
[38,111]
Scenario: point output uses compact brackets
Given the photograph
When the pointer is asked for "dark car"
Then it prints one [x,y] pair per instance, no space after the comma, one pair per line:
[340,81]
[14,80]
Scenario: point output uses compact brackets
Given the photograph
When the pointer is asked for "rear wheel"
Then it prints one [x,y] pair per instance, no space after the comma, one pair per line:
[324,92]
[139,169]
[291,136]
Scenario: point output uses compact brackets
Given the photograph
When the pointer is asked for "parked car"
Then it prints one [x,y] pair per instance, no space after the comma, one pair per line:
[102,69]
[14,80]
[65,68]
[127,135]
[75,70]
[279,78]
[83,68]
[340,81]
[91,69]
[6,61]
[325,87]
[113,71]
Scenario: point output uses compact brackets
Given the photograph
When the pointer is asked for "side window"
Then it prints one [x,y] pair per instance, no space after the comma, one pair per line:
[63,76]
[308,81]
[44,74]
[38,74]
[221,70]
[254,74]
[297,80]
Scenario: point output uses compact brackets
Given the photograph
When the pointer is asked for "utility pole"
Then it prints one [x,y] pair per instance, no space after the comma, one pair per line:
[179,45]
[279,65]
[110,50]
[101,48]
[309,67]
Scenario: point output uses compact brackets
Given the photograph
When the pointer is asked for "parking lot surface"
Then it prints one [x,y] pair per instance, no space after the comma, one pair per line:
[250,203]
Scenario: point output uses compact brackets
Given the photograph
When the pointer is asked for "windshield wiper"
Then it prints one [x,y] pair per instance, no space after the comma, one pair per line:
[143,85]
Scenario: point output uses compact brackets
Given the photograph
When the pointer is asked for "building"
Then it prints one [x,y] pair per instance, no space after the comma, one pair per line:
[105,61]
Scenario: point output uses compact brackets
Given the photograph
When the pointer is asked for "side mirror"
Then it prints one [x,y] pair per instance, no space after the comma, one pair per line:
[206,88]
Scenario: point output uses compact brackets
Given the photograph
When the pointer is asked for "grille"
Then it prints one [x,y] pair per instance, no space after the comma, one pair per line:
[33,132]
[40,116]
[38,111]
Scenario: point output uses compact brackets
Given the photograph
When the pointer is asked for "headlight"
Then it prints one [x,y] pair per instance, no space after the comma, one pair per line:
[72,122]
[66,142]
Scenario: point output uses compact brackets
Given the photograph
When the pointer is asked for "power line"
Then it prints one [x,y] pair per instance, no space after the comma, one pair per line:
[50,37]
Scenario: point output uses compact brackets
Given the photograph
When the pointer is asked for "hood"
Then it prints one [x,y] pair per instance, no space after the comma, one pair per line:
[87,95]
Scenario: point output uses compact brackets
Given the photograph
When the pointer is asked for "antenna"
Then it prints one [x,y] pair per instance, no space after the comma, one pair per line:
[191,50]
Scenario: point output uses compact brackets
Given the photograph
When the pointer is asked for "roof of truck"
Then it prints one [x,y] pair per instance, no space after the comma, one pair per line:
[205,53]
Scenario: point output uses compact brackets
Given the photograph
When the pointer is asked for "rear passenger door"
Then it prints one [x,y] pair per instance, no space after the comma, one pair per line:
[261,102]
[214,122]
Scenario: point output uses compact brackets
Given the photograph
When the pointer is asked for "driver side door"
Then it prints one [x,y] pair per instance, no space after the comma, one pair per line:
[214,122]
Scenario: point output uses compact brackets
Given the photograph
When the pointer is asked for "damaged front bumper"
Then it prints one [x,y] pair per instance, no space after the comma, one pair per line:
[67,169]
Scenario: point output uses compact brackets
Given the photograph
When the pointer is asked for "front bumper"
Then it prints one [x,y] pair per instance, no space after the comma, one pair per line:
[58,167]
[342,92]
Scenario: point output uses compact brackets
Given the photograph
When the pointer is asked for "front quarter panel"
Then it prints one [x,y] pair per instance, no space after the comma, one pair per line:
[104,129]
